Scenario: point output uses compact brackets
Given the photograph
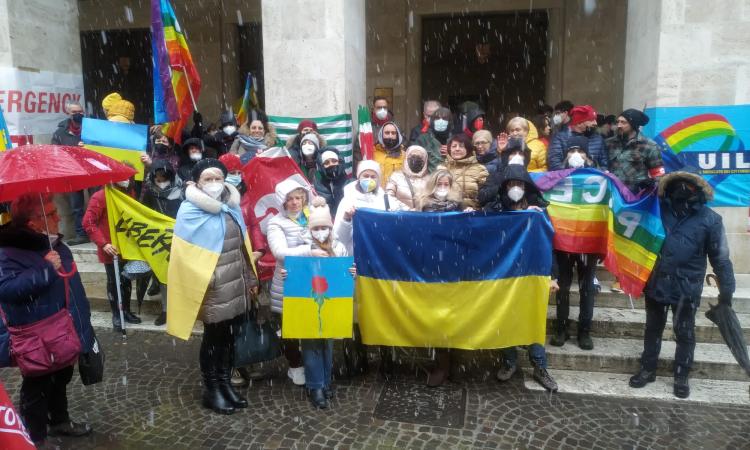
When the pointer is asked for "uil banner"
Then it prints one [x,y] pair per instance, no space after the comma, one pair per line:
[593,212]
[34,101]
[139,233]
[318,298]
[470,281]
[711,139]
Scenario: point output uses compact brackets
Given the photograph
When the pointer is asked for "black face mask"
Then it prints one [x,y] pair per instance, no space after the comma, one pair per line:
[161,149]
[332,171]
[77,117]
[589,131]
[416,164]
[681,198]
[390,143]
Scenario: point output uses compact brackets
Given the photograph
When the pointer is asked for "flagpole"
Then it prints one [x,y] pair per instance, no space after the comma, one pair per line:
[184,72]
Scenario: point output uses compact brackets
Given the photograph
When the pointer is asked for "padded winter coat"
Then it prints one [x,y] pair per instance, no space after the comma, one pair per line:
[470,176]
[404,187]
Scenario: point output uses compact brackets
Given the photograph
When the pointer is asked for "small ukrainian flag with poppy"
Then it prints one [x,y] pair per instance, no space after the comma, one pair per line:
[318,296]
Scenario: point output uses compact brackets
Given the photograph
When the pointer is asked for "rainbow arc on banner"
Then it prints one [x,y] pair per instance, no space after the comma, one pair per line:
[698,128]
[177,83]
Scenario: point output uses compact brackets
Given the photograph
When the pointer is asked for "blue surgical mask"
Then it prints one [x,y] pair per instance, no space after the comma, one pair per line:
[368,184]
[234,180]
[440,125]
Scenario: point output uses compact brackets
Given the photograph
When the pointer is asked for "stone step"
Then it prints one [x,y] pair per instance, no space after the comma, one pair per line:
[102,322]
[617,355]
[616,385]
[627,323]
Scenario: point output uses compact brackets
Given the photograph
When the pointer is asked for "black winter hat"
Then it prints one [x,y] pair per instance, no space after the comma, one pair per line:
[578,142]
[193,142]
[635,118]
[227,118]
[204,164]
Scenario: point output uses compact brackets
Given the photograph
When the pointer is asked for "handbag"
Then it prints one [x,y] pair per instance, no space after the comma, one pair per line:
[253,342]
[48,345]
[91,364]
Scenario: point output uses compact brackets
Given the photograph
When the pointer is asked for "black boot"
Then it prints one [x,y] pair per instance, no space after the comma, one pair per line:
[561,334]
[584,340]
[213,398]
[681,386]
[224,372]
[642,378]
[129,316]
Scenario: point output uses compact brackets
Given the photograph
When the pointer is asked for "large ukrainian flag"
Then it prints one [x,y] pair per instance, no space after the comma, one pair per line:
[455,280]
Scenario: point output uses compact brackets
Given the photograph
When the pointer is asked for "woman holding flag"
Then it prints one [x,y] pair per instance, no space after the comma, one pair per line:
[210,229]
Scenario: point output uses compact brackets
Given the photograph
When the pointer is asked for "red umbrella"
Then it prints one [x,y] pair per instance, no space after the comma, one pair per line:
[55,169]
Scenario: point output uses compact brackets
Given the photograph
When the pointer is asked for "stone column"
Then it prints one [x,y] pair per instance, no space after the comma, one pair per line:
[691,53]
[313,56]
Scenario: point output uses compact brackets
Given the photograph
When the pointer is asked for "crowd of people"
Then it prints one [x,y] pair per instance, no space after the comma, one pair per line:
[449,162]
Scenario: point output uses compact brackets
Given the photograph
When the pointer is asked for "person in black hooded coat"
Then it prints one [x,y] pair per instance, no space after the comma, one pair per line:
[516,152]
[191,151]
[694,233]
[331,178]
[162,190]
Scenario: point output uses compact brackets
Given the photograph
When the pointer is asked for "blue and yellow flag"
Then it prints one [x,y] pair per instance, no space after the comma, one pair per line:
[469,281]
[5,143]
[318,298]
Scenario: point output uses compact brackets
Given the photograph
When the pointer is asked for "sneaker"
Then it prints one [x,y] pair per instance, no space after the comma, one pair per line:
[78,240]
[616,287]
[506,371]
[642,378]
[681,387]
[544,379]
[297,375]
[238,380]
[70,428]
[584,341]
[161,320]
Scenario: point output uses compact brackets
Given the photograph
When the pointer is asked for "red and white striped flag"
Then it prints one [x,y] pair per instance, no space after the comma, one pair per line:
[366,143]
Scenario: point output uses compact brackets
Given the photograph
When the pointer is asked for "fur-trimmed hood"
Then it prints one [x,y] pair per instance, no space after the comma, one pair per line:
[419,151]
[686,174]
[196,196]
[294,141]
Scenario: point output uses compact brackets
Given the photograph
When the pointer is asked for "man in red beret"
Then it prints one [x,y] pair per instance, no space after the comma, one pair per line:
[582,123]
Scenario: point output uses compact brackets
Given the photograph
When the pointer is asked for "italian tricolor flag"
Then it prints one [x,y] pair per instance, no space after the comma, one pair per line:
[366,143]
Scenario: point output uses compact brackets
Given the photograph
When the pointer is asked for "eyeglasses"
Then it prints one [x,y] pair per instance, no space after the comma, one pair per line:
[481,143]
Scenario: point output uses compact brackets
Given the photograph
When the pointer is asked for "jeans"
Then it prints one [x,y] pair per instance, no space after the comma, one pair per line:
[537,355]
[317,355]
[586,265]
[44,401]
[77,209]
[683,324]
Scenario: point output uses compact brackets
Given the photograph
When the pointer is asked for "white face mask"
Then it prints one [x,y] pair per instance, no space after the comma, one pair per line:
[123,184]
[576,160]
[229,129]
[441,193]
[381,113]
[213,189]
[196,156]
[441,125]
[163,184]
[557,119]
[321,235]
[308,149]
[516,159]
[515,193]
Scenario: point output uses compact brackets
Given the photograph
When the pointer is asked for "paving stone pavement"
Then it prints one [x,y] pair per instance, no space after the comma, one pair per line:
[150,399]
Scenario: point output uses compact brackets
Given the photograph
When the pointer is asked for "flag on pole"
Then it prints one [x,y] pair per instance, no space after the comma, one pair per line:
[13,435]
[366,143]
[249,100]
[5,143]
[178,79]
[336,130]
[259,204]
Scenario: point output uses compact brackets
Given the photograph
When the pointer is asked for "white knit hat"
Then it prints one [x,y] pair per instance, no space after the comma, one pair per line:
[320,214]
[368,164]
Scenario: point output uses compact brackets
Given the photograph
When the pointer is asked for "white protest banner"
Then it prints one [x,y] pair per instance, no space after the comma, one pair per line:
[34,101]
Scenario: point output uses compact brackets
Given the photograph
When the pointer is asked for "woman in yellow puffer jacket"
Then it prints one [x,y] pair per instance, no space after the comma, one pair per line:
[520,127]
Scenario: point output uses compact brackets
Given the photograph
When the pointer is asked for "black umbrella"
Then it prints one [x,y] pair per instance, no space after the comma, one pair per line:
[726,319]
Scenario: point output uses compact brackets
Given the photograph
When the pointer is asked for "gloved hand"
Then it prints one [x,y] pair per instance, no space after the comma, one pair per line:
[263,314]
[725,300]
[197,118]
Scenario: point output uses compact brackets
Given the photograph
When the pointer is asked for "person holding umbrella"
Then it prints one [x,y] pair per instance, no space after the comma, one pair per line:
[693,232]
[33,264]
[96,224]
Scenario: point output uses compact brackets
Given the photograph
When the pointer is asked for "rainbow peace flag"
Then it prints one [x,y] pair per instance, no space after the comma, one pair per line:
[249,100]
[176,80]
[593,212]
[710,139]
[5,143]
[318,298]
[470,281]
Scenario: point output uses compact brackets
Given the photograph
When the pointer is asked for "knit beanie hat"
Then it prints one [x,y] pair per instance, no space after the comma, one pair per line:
[635,118]
[307,123]
[204,164]
[311,137]
[320,214]
[581,114]
[368,164]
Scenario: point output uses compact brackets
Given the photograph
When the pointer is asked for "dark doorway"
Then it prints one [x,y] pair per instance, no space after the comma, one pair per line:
[496,60]
[251,58]
[118,61]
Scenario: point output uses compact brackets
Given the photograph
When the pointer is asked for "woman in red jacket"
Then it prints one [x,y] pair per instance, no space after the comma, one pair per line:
[96,224]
